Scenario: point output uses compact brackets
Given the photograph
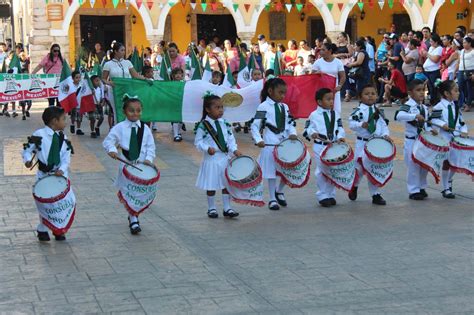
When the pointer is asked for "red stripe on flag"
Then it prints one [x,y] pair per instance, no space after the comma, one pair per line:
[302,90]
[87,104]
[69,102]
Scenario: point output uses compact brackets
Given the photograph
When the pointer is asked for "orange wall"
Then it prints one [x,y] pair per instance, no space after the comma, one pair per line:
[180,30]
[446,22]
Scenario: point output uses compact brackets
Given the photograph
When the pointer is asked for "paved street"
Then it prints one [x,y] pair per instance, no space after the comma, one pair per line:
[355,258]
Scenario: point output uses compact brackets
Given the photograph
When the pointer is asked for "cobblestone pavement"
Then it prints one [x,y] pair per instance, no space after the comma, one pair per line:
[355,258]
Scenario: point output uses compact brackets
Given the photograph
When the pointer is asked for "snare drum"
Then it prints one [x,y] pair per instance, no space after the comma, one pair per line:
[461,156]
[290,153]
[243,171]
[338,165]
[380,150]
[434,140]
[429,152]
[336,153]
[51,188]
[148,176]
[464,142]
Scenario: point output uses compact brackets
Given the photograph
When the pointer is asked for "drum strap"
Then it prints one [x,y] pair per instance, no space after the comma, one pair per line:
[330,122]
[141,130]
[452,120]
[222,146]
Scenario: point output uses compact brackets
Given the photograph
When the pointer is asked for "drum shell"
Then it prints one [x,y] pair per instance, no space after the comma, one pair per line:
[431,145]
[347,157]
[139,180]
[253,179]
[289,164]
[55,198]
[380,159]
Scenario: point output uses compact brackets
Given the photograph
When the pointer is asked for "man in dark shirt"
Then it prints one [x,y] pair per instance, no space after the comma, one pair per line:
[397,49]
[426,36]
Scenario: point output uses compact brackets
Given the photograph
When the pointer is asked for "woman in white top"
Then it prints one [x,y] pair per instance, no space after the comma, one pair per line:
[432,64]
[157,55]
[331,65]
[466,74]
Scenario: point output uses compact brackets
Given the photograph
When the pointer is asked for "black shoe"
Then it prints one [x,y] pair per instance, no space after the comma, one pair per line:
[183,127]
[2,113]
[281,202]
[230,213]
[237,128]
[79,132]
[423,193]
[61,237]
[178,138]
[416,196]
[246,129]
[378,200]
[333,201]
[448,194]
[72,129]
[325,203]
[7,114]
[43,236]
[93,135]
[353,193]
[97,132]
[273,205]
[14,115]
[27,113]
[212,213]
[23,118]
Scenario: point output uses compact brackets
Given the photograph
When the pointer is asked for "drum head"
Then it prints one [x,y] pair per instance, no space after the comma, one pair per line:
[50,186]
[147,174]
[241,167]
[336,151]
[290,150]
[467,142]
[380,147]
[436,140]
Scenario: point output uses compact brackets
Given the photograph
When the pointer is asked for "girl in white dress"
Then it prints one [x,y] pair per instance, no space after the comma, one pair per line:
[214,138]
[271,125]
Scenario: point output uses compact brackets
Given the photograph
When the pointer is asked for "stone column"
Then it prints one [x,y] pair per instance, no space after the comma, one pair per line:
[332,35]
[40,41]
[154,39]
[246,37]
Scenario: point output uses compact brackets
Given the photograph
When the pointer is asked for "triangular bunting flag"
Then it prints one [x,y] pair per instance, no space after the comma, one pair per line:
[340,6]
[288,7]
[70,2]
[149,4]
[247,7]
[299,7]
[361,5]
[390,3]
[267,7]
[115,3]
[371,4]
[193,5]
[81,2]
[330,5]
[92,3]
[320,5]
[452,1]
[214,6]
[278,6]
[203,7]
[127,4]
[402,2]
[257,7]
[309,6]
[171,4]
[104,3]
[382,2]
[420,2]
[183,3]
[235,6]
[432,2]
[139,3]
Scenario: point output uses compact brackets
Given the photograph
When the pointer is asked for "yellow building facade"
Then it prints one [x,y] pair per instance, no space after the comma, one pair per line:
[143,23]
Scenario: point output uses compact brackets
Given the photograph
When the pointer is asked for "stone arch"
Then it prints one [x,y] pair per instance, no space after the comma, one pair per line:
[433,12]
[413,11]
[75,6]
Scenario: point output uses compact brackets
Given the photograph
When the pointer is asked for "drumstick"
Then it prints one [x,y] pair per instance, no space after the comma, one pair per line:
[271,145]
[31,168]
[129,164]
[450,129]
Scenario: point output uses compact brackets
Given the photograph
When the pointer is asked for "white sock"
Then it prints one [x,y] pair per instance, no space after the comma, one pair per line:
[226,201]
[211,202]
[41,227]
[450,178]
[271,188]
[133,219]
[175,129]
[445,179]
[281,186]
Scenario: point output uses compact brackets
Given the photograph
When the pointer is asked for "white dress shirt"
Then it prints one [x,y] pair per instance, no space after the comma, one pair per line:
[440,117]
[407,113]
[46,135]
[119,136]
[204,141]
[317,124]
[268,136]
[361,115]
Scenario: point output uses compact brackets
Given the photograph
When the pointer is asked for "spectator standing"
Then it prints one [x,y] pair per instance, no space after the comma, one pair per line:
[466,73]
[432,65]
[426,36]
[410,60]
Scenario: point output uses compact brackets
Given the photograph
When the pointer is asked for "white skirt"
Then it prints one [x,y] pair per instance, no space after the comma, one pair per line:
[267,163]
[212,172]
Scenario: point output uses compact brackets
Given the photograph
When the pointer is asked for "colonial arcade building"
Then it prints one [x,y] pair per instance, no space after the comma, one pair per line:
[71,23]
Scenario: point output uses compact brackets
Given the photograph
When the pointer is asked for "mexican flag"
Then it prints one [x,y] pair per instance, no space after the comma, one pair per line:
[165,68]
[277,64]
[15,65]
[207,73]
[229,78]
[67,90]
[86,96]
[196,70]
[244,77]
[172,101]
[136,61]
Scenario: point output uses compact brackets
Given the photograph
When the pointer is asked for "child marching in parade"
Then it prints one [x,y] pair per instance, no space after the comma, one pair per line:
[76,116]
[367,121]
[214,138]
[177,74]
[325,127]
[447,118]
[415,116]
[137,145]
[53,153]
[271,125]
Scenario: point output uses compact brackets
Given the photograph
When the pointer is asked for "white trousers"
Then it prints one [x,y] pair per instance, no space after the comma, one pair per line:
[416,175]
[325,188]
[359,150]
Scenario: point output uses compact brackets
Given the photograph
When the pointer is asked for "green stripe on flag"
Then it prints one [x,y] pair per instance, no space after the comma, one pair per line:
[161,100]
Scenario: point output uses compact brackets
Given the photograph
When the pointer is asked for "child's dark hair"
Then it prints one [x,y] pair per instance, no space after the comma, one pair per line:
[445,86]
[145,69]
[235,72]
[74,73]
[270,84]
[414,83]
[51,113]
[94,77]
[393,63]
[367,86]
[321,92]
[207,102]
[127,100]
[175,71]
[216,73]
[269,72]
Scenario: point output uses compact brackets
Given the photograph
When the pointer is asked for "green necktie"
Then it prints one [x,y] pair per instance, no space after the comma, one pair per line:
[220,135]
[451,122]
[329,126]
[278,119]
[371,121]
[133,151]
[53,156]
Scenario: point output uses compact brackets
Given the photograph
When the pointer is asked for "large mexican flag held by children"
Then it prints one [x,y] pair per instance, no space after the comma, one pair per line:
[172,101]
